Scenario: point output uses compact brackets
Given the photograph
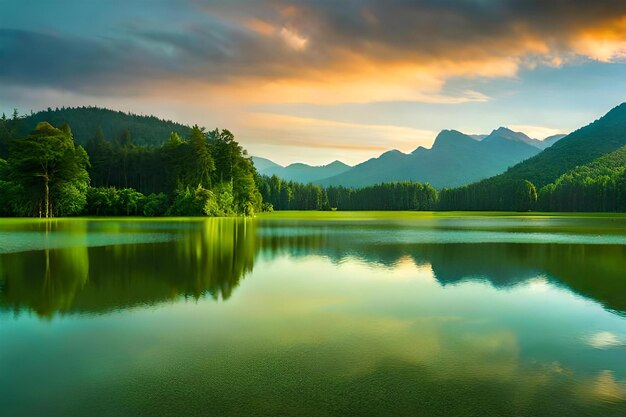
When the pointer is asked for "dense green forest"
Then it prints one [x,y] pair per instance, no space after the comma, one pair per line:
[46,173]
[597,186]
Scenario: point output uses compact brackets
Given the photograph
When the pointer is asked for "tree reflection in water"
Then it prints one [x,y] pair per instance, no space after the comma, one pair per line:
[204,257]
[210,257]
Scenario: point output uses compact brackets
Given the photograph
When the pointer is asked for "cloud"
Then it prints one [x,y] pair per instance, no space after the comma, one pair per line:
[293,39]
[604,340]
[320,137]
[213,62]
[607,387]
[603,43]
[319,51]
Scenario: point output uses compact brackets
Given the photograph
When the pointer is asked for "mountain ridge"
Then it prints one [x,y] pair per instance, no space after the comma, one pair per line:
[500,149]
[454,159]
[298,171]
[574,149]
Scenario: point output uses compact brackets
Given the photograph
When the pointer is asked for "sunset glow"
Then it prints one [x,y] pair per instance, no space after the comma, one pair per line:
[304,75]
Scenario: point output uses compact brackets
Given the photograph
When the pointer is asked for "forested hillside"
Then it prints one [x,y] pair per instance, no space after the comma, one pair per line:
[145,130]
[47,173]
[597,186]
[578,148]
[562,177]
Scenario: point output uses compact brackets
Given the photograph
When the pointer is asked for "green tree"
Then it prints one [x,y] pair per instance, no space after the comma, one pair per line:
[199,160]
[5,136]
[45,164]
[155,205]
[100,154]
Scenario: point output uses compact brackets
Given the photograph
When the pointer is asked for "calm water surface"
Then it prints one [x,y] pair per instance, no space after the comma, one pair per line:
[314,314]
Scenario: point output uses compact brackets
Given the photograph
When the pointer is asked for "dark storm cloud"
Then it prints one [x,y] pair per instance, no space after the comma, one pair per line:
[276,39]
[435,27]
[79,63]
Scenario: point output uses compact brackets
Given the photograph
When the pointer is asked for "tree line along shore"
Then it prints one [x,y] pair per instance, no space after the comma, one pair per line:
[46,173]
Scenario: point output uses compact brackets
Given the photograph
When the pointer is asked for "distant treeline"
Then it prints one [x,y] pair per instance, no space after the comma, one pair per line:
[581,190]
[289,195]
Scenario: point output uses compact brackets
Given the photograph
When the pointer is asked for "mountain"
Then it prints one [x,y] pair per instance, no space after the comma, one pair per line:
[478,137]
[608,166]
[551,140]
[508,134]
[263,164]
[84,121]
[597,186]
[584,171]
[503,133]
[588,143]
[455,159]
[299,172]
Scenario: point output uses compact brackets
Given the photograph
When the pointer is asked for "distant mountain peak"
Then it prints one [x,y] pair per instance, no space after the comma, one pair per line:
[262,164]
[391,153]
[299,171]
[451,138]
[454,159]
[418,150]
[580,147]
[449,132]
[298,165]
[506,133]
[338,163]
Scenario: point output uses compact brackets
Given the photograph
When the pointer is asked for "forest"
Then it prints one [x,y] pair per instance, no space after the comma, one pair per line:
[289,195]
[600,187]
[47,170]
[47,174]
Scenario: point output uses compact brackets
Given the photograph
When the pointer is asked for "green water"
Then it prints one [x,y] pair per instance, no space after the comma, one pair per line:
[314,314]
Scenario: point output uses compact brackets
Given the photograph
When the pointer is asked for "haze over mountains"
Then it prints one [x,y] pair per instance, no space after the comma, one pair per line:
[455,159]
[299,172]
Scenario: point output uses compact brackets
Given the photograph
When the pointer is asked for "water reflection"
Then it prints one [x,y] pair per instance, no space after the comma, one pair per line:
[595,271]
[198,258]
[96,266]
[337,318]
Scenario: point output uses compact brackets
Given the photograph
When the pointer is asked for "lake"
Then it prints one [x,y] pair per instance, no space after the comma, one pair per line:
[315,314]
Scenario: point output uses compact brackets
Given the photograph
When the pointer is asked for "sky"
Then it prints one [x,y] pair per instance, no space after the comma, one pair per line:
[322,80]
